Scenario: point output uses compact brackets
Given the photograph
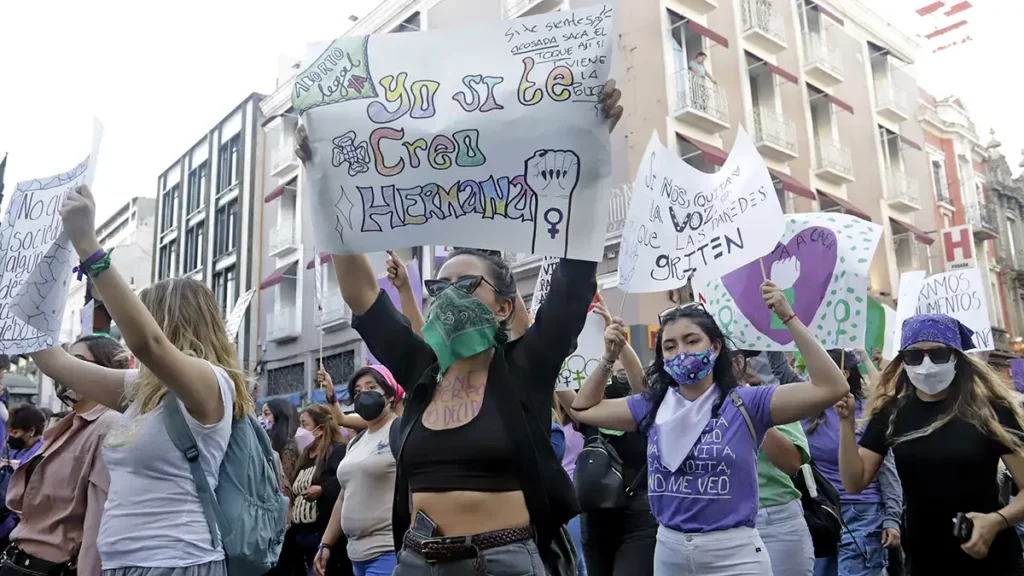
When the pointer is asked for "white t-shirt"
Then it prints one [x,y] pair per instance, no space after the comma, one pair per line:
[153,517]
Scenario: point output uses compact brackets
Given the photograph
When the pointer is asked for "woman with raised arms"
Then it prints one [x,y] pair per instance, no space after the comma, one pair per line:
[478,486]
[703,431]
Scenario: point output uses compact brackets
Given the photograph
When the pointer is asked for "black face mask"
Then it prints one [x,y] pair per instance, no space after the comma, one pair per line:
[66,396]
[16,443]
[617,388]
[369,405]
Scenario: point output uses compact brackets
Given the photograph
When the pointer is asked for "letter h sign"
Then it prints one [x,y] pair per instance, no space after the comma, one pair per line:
[958,247]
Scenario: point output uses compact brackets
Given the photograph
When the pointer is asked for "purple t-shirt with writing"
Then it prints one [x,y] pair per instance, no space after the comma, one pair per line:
[573,446]
[824,445]
[715,488]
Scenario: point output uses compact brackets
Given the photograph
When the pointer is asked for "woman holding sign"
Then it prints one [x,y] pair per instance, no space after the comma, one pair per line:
[703,431]
[478,487]
[948,420]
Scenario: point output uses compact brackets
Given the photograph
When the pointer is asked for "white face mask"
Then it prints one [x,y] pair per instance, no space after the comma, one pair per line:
[931,378]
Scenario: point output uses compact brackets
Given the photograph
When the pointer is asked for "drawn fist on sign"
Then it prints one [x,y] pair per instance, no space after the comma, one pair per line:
[785,272]
[553,173]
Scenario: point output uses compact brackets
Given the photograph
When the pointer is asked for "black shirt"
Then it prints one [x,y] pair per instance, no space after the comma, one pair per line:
[953,469]
[522,378]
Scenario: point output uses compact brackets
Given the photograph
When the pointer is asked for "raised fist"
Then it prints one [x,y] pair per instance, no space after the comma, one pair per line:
[553,173]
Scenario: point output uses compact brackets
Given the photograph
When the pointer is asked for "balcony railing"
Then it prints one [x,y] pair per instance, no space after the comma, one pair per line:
[889,96]
[699,94]
[903,190]
[908,253]
[982,216]
[834,157]
[335,311]
[761,16]
[283,325]
[514,8]
[823,53]
[282,237]
[774,129]
[282,158]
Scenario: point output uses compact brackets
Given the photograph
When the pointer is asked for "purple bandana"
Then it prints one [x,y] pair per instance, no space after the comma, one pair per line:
[936,328]
[687,368]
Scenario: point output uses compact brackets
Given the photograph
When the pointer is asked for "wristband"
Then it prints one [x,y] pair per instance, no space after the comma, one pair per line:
[1003,517]
[323,545]
[791,316]
[332,399]
[83,267]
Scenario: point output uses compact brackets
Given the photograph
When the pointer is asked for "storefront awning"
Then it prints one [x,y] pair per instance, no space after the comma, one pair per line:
[847,206]
[790,184]
[277,276]
[713,154]
[325,257]
[919,235]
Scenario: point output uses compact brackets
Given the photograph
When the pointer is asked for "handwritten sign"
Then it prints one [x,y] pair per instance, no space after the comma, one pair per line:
[584,360]
[540,289]
[821,263]
[489,137]
[238,311]
[413,269]
[958,293]
[683,221]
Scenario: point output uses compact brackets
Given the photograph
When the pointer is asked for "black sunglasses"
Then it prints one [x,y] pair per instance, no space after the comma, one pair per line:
[675,311]
[915,356]
[466,284]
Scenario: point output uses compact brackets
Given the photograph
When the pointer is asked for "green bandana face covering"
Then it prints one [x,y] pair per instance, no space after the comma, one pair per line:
[458,326]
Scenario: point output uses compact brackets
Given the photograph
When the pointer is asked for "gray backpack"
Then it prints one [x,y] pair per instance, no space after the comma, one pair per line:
[248,492]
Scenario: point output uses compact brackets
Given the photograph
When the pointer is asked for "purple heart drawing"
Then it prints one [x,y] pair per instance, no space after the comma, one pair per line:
[816,250]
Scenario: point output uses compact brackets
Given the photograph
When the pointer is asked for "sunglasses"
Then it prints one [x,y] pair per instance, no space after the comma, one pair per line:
[675,311]
[915,356]
[466,284]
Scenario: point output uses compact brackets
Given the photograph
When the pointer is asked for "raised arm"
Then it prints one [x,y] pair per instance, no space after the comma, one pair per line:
[627,356]
[95,382]
[826,384]
[858,465]
[399,277]
[190,378]
[590,406]
[353,421]
[521,320]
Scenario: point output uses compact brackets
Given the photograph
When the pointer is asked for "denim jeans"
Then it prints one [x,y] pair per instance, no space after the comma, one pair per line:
[382,565]
[733,552]
[860,546]
[785,534]
[577,541]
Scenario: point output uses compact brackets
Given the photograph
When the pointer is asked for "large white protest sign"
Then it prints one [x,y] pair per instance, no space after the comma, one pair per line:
[958,293]
[490,136]
[234,321]
[821,264]
[38,258]
[540,289]
[586,357]
[684,221]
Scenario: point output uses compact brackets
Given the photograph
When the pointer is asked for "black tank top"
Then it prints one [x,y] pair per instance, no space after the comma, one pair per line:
[477,456]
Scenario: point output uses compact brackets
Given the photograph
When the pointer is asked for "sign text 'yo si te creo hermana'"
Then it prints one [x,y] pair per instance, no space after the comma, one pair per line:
[490,136]
[685,222]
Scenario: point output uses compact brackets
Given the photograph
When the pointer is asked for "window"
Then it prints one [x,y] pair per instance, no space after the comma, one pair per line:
[939,182]
[196,187]
[410,24]
[195,247]
[228,163]
[225,228]
[169,207]
[224,288]
[892,150]
[287,380]
[167,264]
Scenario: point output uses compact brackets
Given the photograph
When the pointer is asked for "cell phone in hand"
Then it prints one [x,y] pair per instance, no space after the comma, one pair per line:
[963,527]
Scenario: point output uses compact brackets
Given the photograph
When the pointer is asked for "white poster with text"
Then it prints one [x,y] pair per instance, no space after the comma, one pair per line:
[958,293]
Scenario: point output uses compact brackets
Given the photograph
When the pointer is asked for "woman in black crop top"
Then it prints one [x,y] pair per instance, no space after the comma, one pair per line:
[472,447]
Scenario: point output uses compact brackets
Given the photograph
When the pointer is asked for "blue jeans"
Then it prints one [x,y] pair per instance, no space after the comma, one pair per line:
[785,534]
[382,565]
[860,546]
[577,540]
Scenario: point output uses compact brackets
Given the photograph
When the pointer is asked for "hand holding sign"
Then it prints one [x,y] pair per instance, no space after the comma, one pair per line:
[776,299]
[397,273]
[78,214]
[614,339]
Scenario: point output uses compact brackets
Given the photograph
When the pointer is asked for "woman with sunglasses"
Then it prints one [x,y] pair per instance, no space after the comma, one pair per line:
[703,431]
[871,517]
[948,420]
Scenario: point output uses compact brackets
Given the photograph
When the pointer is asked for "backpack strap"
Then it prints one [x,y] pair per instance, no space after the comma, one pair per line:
[182,438]
[743,412]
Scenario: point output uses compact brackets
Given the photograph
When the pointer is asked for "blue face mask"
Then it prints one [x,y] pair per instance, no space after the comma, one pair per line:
[688,368]
[264,423]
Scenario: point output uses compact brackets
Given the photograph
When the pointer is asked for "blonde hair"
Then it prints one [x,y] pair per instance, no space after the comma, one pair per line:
[975,392]
[330,434]
[190,317]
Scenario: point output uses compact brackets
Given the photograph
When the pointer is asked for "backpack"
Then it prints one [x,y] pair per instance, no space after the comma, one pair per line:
[598,477]
[248,492]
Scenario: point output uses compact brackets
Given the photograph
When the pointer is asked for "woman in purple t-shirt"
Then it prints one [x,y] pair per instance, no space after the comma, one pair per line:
[703,433]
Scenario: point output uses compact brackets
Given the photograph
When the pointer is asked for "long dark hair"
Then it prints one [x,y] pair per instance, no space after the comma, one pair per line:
[851,363]
[659,381]
[499,273]
[286,422]
[106,351]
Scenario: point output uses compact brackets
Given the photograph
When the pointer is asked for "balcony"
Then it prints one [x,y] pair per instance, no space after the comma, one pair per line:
[283,325]
[909,254]
[517,8]
[982,218]
[824,62]
[283,239]
[701,102]
[774,134]
[834,162]
[901,192]
[698,6]
[891,102]
[335,314]
[283,160]
[762,26]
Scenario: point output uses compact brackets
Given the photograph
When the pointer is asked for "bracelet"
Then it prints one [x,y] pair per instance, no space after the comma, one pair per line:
[332,399]
[83,267]
[605,365]
[791,316]
[1004,518]
[94,269]
[323,545]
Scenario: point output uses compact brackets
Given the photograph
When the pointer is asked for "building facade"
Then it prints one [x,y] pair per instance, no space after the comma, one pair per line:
[208,216]
[1007,193]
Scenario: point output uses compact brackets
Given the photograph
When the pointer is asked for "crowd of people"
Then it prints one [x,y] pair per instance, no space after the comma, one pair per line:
[460,457]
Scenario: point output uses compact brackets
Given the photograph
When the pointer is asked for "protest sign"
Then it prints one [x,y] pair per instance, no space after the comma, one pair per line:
[683,221]
[87,319]
[37,258]
[415,282]
[584,360]
[490,137]
[540,290]
[821,264]
[238,311]
[958,293]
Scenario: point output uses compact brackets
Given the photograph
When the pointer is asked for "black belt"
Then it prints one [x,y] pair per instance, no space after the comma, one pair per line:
[452,548]
[24,562]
